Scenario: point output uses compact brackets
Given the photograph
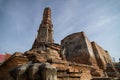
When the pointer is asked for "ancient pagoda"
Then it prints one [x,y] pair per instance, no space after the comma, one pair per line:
[76,58]
[45,31]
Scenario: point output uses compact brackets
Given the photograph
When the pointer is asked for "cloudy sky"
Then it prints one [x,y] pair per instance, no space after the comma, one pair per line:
[99,19]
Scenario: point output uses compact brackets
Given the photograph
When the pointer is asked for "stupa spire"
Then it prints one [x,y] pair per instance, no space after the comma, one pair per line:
[45,31]
[47,16]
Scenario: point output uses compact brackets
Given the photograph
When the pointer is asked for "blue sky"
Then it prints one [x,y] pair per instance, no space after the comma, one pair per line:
[99,19]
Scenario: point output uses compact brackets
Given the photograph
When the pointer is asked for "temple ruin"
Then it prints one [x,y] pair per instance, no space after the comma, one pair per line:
[76,58]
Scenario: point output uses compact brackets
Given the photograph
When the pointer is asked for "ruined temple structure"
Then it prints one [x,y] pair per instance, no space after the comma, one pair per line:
[76,58]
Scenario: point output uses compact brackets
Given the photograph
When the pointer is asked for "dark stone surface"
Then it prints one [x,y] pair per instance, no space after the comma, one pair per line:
[34,71]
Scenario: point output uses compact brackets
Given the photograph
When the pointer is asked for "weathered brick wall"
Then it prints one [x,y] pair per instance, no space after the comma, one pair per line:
[15,60]
[104,60]
[77,48]
[74,72]
[99,55]
[90,50]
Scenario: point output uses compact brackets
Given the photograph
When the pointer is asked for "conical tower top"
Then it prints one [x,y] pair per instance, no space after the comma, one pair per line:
[45,31]
[47,16]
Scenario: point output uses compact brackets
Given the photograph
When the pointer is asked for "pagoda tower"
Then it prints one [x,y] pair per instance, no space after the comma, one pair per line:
[45,31]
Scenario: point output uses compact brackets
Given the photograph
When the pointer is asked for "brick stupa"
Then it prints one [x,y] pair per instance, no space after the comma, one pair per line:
[76,58]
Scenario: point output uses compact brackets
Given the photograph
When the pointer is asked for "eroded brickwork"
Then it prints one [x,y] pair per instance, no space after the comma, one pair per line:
[45,31]
[104,60]
[16,59]
[77,48]
[75,59]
